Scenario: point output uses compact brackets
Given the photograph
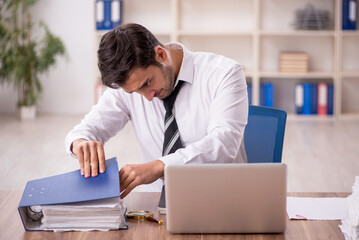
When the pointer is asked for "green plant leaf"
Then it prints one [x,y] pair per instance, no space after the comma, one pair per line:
[23,59]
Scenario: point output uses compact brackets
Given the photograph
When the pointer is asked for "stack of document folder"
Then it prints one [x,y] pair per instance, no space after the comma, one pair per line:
[70,202]
[350,224]
[102,214]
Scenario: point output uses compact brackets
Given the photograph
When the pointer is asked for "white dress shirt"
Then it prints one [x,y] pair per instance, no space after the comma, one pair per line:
[211,111]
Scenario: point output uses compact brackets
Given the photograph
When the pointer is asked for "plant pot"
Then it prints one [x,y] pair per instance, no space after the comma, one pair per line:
[27,112]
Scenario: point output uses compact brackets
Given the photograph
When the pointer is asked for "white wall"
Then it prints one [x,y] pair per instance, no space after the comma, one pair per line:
[69,85]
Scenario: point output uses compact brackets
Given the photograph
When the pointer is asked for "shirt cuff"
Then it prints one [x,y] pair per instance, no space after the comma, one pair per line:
[172,159]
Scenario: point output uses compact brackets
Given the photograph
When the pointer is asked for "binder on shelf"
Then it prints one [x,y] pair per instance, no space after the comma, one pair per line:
[349,14]
[267,94]
[116,13]
[69,188]
[307,96]
[249,90]
[261,94]
[330,100]
[322,98]
[99,14]
[314,99]
[299,98]
[108,14]
[103,17]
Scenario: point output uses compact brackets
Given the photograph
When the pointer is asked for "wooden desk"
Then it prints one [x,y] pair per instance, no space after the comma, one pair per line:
[11,226]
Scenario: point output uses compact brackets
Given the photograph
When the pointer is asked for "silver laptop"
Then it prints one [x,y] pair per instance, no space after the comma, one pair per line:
[226,198]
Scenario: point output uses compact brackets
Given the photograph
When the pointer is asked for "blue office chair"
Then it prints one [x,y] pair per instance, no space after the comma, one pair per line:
[264,134]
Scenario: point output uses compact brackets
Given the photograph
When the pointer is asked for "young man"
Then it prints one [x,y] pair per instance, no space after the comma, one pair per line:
[207,119]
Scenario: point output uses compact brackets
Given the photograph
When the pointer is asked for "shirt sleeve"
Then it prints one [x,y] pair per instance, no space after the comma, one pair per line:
[105,119]
[227,120]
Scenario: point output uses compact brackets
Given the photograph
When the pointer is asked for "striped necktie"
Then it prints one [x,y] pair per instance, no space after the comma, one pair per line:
[172,140]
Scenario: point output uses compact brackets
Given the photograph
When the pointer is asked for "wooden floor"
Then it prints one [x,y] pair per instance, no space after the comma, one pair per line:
[321,155]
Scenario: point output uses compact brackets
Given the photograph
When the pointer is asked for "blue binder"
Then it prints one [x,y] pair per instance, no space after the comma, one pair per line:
[108,14]
[330,102]
[69,188]
[269,94]
[298,98]
[349,14]
[116,13]
[261,94]
[249,90]
[307,93]
[107,24]
[266,94]
[314,99]
[100,14]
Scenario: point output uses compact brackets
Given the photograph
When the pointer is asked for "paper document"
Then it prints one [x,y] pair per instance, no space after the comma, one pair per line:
[104,214]
[316,208]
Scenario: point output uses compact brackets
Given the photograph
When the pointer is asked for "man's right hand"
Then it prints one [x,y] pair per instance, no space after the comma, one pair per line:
[91,156]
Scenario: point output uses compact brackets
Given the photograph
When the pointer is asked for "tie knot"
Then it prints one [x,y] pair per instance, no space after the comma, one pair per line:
[169,101]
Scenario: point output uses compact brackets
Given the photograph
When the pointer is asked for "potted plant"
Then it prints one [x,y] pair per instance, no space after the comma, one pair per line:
[27,50]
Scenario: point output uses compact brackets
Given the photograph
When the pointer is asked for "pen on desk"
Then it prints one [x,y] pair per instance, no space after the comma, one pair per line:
[152,219]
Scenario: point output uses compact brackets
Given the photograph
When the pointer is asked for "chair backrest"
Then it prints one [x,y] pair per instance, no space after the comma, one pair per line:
[264,134]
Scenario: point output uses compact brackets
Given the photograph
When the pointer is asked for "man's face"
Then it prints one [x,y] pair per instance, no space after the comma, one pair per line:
[151,82]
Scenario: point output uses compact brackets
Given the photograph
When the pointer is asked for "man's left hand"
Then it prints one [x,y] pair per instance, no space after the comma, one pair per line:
[133,175]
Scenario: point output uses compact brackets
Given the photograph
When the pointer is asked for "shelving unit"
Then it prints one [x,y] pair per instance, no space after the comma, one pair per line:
[254,32]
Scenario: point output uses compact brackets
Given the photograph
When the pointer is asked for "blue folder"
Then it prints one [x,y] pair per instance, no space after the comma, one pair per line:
[107,24]
[330,100]
[249,89]
[307,97]
[261,94]
[100,14]
[108,14]
[349,14]
[298,95]
[269,94]
[116,13]
[314,99]
[266,94]
[69,188]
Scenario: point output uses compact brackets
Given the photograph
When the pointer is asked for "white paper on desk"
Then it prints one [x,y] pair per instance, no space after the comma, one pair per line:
[316,208]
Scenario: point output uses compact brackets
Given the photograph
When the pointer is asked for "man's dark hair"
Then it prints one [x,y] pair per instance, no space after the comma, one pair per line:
[122,50]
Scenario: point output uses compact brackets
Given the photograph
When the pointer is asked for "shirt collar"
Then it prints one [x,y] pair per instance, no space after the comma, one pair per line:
[186,70]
